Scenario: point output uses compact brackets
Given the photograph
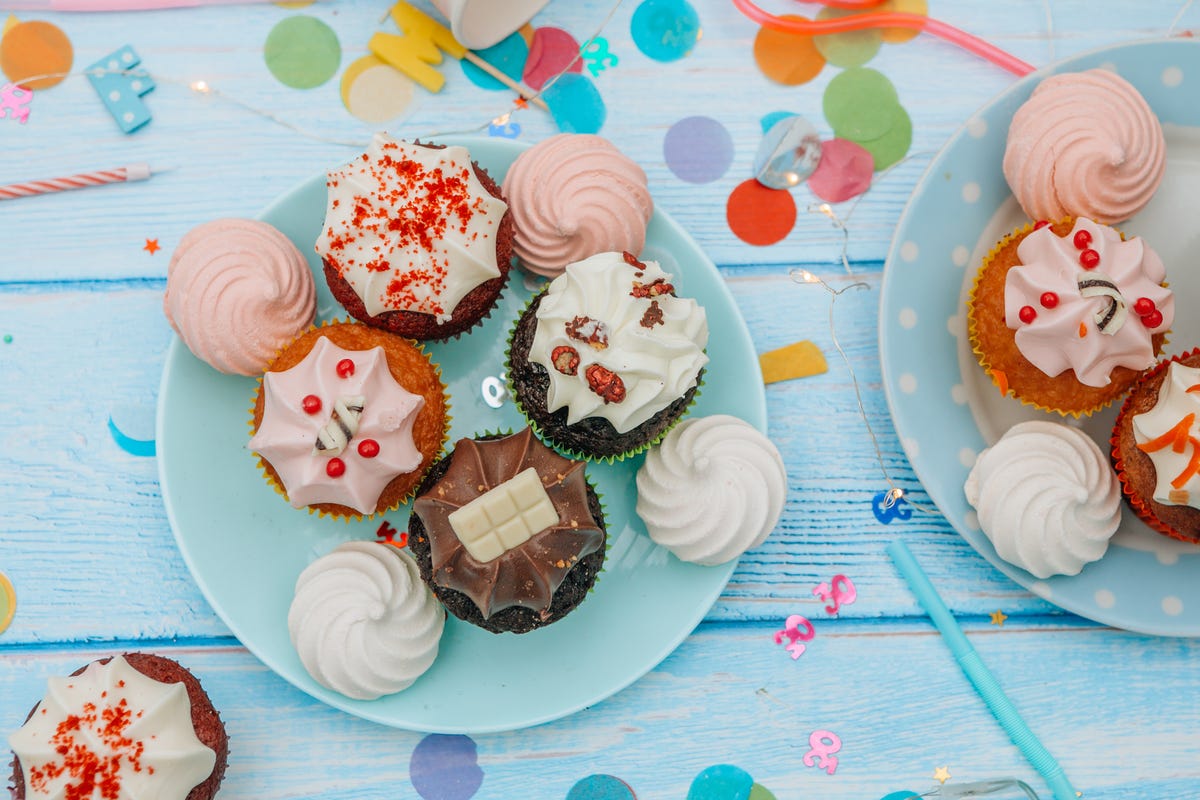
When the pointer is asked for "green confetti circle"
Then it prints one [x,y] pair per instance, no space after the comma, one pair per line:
[302,52]
[849,49]
[893,145]
[860,104]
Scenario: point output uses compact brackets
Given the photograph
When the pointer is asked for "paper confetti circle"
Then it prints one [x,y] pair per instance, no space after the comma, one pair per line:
[892,146]
[34,48]
[575,104]
[898,35]
[445,767]
[374,91]
[844,171]
[787,58]
[601,787]
[698,149]
[851,48]
[508,55]
[721,782]
[132,428]
[860,104]
[302,52]
[758,215]
[551,51]
[665,30]
[760,792]
[768,120]
[8,602]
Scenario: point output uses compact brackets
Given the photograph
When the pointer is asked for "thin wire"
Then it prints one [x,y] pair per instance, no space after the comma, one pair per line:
[1049,29]
[1183,10]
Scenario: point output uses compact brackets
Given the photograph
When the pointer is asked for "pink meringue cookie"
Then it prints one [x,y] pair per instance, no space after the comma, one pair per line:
[573,196]
[238,290]
[1084,144]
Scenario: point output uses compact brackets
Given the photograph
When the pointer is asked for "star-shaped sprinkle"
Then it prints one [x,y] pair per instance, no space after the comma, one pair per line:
[941,774]
[521,102]
[151,246]
[998,617]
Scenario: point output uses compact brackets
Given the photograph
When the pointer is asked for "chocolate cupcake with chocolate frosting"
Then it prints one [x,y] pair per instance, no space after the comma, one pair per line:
[508,534]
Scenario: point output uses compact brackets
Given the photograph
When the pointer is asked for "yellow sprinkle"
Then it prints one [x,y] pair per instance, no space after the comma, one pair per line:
[797,360]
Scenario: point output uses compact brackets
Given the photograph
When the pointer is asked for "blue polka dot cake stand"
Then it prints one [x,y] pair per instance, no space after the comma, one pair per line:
[946,409]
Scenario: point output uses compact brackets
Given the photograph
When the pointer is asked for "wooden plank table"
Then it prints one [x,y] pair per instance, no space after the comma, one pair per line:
[85,539]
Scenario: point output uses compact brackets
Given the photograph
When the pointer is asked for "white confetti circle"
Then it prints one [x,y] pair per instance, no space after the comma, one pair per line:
[960,255]
[971,192]
[909,251]
[1105,599]
[908,383]
[908,318]
[966,457]
[912,447]
[1167,557]
[958,393]
[1172,76]
[1172,606]
[977,127]
[971,520]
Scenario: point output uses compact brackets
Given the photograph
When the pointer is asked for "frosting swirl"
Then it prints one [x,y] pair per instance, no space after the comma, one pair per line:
[1094,322]
[362,621]
[1084,144]
[411,227]
[1047,498]
[238,291]
[1167,433]
[114,731]
[575,195]
[712,489]
[616,341]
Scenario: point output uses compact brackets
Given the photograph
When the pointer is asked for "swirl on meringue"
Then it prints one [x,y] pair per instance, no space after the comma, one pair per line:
[1046,497]
[712,489]
[362,621]
[1084,144]
[238,291]
[573,196]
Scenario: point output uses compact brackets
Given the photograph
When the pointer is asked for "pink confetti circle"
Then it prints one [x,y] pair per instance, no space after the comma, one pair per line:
[550,52]
[844,171]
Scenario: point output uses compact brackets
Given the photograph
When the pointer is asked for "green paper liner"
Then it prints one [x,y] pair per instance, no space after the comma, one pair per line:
[566,450]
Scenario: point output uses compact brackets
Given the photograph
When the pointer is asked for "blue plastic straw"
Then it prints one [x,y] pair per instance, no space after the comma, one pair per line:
[981,678]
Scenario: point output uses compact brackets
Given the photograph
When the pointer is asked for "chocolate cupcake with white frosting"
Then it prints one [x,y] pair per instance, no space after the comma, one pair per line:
[606,359]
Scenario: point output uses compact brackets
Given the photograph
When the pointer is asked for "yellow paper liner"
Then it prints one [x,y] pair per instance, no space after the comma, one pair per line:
[335,510]
[998,376]
[1140,506]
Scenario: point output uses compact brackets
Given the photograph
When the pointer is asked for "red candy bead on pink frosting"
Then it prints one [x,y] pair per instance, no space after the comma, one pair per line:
[1049,299]
[1089,259]
[336,468]
[368,448]
[1143,306]
[1153,319]
[311,404]
[1041,223]
[345,368]
[1027,314]
[1082,239]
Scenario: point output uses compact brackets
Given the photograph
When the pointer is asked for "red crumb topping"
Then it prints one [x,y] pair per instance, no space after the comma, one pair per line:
[90,772]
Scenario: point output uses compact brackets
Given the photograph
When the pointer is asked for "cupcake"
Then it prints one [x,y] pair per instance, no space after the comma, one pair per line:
[347,419]
[607,358]
[133,725]
[1046,498]
[508,534]
[1085,144]
[1156,447]
[362,622]
[713,488]
[1067,315]
[417,239]
[238,290]
[575,195]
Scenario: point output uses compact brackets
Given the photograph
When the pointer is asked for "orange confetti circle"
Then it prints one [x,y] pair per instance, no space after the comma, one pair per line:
[30,49]
[787,58]
[897,35]
[758,215]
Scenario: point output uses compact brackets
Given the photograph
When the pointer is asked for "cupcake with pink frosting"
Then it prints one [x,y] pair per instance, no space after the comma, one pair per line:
[573,196]
[238,291]
[1085,144]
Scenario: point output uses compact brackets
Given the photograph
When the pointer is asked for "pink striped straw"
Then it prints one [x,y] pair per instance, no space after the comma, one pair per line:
[133,172]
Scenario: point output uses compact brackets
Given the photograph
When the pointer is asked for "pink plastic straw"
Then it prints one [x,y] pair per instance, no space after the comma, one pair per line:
[889,19]
[133,172]
[113,5]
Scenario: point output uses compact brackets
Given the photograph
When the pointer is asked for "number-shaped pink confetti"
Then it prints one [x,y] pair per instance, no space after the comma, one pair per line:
[840,590]
[823,745]
[791,630]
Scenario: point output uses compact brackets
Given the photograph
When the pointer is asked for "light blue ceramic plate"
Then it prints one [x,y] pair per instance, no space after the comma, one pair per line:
[245,545]
[944,407]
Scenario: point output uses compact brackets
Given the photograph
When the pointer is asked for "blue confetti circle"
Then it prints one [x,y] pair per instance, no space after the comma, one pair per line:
[601,787]
[575,104]
[768,121]
[721,782]
[445,767]
[698,149]
[508,55]
[665,30]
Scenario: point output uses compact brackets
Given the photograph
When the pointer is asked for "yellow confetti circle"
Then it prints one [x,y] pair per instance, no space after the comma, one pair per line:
[375,92]
[8,602]
[897,35]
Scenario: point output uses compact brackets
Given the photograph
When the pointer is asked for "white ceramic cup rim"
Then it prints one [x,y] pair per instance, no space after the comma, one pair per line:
[482,23]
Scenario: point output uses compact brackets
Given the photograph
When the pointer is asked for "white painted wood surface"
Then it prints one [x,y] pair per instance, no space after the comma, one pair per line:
[85,539]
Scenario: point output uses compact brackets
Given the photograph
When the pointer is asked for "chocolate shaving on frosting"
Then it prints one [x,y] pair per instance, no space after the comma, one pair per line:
[527,575]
